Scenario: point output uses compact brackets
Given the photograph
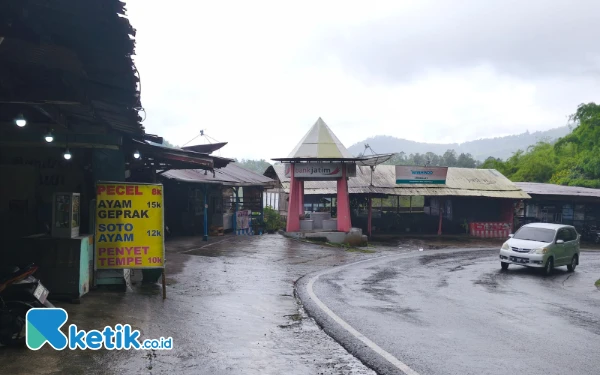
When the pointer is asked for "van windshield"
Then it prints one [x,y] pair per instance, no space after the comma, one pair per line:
[535,234]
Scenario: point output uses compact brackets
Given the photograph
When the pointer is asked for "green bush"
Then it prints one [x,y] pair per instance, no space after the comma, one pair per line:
[272,219]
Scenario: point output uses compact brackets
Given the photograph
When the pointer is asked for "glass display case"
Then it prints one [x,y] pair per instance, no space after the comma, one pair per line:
[66,215]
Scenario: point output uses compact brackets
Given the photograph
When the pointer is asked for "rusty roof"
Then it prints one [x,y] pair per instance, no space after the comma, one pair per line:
[460,182]
[551,189]
[230,175]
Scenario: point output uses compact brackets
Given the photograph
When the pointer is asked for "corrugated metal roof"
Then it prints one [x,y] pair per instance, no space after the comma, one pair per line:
[551,189]
[231,175]
[459,182]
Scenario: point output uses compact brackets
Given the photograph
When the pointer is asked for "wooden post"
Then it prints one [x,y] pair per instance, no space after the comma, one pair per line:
[441,211]
[164,279]
[205,237]
[164,284]
[235,208]
[369,216]
[293,218]
[262,211]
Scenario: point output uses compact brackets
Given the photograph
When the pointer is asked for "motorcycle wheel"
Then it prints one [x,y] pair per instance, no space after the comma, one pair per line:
[12,323]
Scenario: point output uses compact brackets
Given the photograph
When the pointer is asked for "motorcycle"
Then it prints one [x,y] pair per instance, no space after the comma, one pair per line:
[19,292]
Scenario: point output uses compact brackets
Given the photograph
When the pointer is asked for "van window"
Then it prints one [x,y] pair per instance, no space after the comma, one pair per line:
[574,234]
[535,234]
[563,234]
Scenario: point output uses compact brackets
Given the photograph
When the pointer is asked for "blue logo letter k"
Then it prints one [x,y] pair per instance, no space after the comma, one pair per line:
[43,325]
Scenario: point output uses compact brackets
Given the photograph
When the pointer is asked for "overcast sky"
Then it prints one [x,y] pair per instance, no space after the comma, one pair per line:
[258,74]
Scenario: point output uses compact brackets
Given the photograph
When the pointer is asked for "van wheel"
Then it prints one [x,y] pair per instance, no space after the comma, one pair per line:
[549,267]
[571,267]
[504,265]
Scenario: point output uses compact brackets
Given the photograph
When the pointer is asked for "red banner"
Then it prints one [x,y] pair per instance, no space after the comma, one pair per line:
[490,230]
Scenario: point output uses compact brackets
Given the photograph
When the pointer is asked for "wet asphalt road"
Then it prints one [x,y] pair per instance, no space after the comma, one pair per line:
[456,312]
[230,309]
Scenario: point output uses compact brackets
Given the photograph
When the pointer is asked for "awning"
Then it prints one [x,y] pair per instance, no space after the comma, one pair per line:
[231,175]
[166,158]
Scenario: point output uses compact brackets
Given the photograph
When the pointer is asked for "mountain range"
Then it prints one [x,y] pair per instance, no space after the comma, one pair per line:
[481,149]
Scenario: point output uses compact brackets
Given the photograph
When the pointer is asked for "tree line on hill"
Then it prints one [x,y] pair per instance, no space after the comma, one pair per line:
[498,147]
[449,159]
[572,160]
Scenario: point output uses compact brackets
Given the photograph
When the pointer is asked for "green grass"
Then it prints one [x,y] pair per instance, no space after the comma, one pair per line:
[598,283]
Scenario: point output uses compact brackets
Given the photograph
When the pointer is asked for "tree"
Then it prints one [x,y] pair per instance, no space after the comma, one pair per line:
[572,160]
[493,163]
[256,166]
[419,159]
[466,161]
[450,158]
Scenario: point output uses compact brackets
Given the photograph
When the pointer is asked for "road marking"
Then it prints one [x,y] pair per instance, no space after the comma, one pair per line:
[376,348]
[207,245]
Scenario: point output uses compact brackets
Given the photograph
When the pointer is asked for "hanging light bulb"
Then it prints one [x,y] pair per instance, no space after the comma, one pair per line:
[136,154]
[20,120]
[67,155]
[49,137]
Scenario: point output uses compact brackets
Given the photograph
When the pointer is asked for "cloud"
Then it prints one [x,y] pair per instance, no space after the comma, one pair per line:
[525,39]
[259,74]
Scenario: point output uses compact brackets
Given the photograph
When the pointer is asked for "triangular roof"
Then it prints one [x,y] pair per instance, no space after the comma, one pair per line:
[320,143]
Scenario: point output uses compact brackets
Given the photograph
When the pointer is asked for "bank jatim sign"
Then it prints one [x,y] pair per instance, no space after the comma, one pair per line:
[320,170]
[129,225]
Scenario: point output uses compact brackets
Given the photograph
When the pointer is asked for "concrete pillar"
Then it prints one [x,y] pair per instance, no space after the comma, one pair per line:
[300,196]
[293,217]
[343,203]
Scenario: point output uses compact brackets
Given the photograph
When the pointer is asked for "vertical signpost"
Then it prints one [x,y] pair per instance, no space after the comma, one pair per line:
[129,227]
